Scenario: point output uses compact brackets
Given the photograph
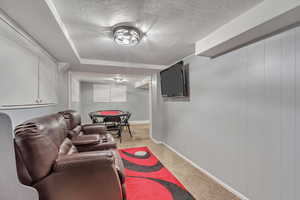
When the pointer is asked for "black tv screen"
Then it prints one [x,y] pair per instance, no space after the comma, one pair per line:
[173,81]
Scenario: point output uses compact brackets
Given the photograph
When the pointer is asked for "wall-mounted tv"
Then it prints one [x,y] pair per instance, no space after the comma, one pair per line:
[174,81]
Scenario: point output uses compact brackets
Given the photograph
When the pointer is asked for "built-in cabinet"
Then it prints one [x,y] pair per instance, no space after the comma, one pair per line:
[28,77]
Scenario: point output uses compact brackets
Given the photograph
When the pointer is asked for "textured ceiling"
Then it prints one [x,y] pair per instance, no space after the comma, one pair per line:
[172,26]
[111,70]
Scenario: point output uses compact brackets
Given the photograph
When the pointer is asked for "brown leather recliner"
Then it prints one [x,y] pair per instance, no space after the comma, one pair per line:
[88,137]
[48,161]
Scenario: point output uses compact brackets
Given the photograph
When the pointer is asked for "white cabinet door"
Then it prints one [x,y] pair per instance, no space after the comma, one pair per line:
[47,81]
[18,69]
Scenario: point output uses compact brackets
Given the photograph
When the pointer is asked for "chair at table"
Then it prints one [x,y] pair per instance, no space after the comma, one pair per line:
[113,123]
[94,118]
[125,122]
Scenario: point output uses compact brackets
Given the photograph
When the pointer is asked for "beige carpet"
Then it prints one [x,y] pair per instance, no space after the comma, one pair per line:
[200,185]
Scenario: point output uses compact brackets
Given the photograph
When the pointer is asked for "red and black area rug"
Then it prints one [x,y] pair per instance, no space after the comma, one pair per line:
[148,179]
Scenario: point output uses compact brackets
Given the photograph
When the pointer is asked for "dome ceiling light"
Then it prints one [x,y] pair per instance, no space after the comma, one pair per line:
[127,35]
[119,79]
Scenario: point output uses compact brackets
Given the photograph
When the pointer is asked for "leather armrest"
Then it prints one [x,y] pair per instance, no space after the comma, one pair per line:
[83,160]
[94,129]
[83,140]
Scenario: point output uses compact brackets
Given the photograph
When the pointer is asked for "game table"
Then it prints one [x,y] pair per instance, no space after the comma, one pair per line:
[112,119]
[108,113]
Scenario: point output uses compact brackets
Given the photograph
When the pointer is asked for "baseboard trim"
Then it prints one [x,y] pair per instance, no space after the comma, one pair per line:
[139,122]
[155,141]
[227,187]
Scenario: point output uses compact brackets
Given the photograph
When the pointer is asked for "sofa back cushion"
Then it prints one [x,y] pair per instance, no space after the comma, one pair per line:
[73,121]
[72,117]
[37,144]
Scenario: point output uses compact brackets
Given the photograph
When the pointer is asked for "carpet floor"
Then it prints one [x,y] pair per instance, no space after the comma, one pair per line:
[148,179]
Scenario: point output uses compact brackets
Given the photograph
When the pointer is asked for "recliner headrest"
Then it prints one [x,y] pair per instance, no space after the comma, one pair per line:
[72,117]
[37,142]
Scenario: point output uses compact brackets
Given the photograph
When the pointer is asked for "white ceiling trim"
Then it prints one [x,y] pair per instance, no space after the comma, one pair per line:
[260,15]
[63,66]
[183,59]
[120,64]
[106,78]
[62,26]
[143,83]
[95,61]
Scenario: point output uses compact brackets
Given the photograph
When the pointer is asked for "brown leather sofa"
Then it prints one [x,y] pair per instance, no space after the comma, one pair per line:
[48,161]
[88,137]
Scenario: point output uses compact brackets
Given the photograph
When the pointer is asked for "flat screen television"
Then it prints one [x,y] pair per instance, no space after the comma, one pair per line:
[174,81]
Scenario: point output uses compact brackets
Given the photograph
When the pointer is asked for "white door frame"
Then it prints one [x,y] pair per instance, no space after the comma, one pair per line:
[150,107]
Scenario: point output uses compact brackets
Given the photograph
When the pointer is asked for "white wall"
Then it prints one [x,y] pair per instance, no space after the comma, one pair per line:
[10,187]
[137,103]
[243,120]
[158,118]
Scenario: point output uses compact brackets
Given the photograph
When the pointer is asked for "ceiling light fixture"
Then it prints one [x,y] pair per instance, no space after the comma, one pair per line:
[119,79]
[126,35]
